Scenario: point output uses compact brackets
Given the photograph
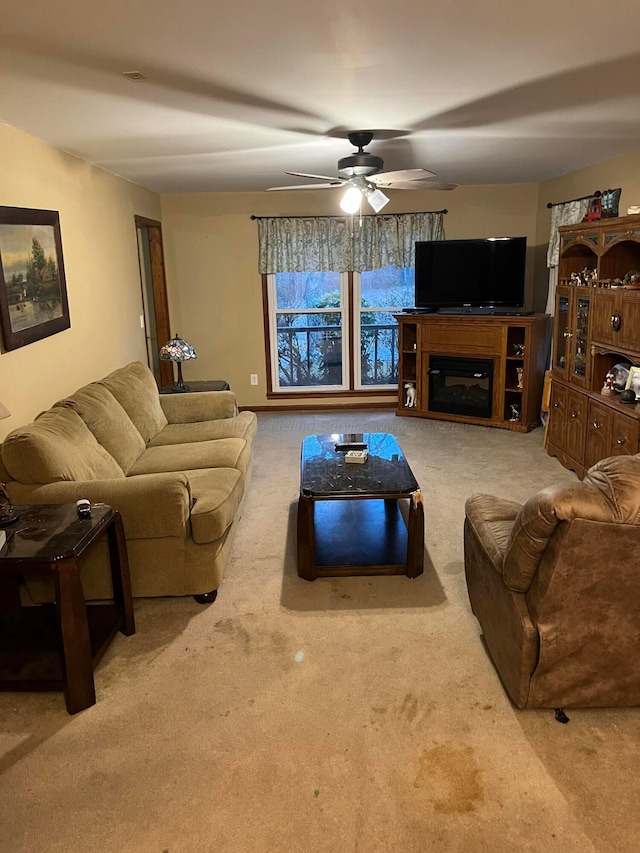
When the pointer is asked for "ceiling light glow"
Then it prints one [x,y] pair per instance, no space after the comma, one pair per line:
[351,200]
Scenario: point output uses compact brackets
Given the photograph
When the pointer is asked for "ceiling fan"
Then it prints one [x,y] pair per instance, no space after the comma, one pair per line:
[362,173]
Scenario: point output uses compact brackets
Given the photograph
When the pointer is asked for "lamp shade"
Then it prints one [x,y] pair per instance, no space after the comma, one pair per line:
[177,349]
[4,412]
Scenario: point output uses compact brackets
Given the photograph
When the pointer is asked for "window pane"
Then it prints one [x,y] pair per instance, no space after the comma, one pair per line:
[308,290]
[378,348]
[390,287]
[309,349]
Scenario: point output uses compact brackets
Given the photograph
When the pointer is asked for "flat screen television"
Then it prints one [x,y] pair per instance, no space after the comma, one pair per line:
[486,273]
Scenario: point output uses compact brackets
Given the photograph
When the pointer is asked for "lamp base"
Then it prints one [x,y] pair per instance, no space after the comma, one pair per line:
[180,386]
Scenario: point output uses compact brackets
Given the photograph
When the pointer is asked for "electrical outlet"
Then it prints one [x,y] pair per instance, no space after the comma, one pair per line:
[254,378]
[142,321]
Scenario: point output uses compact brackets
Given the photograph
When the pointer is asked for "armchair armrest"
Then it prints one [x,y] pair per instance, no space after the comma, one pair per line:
[195,408]
[151,505]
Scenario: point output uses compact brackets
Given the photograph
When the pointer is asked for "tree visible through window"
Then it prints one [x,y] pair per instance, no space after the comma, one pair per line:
[310,328]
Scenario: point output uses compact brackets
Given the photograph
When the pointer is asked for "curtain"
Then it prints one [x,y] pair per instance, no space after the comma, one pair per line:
[340,243]
[569,213]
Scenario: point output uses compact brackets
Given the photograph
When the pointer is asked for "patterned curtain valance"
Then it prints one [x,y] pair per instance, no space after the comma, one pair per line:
[341,244]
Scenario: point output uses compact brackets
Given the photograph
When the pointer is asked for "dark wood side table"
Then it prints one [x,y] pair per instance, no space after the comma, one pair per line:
[194,387]
[54,647]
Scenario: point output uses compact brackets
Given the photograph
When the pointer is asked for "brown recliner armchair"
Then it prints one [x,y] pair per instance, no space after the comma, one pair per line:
[555,586]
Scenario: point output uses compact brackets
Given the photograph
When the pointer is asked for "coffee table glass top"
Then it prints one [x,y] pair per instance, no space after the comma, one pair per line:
[326,473]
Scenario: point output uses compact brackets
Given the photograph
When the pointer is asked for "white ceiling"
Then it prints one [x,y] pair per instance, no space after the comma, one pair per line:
[237,92]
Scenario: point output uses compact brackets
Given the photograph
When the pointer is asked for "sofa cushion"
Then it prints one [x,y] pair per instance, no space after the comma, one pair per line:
[223,453]
[57,446]
[109,422]
[136,390]
[217,496]
[243,425]
[183,408]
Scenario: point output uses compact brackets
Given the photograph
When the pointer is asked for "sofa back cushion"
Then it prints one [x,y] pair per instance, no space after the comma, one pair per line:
[109,422]
[57,446]
[136,390]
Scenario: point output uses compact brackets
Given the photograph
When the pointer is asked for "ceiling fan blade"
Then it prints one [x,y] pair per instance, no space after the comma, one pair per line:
[307,175]
[384,179]
[421,185]
[330,186]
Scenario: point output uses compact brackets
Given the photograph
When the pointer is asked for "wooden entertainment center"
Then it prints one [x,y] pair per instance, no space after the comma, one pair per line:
[501,357]
[597,325]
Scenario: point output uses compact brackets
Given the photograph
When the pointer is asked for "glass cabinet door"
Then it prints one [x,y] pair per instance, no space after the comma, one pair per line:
[580,340]
[562,333]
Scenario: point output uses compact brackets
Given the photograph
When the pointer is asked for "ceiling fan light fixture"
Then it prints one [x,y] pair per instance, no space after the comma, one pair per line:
[351,200]
[377,199]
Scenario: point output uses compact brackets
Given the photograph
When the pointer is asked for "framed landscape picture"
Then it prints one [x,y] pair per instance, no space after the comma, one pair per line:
[33,291]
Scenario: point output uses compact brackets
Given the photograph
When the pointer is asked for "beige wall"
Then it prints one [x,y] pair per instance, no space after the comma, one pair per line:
[101,265]
[211,252]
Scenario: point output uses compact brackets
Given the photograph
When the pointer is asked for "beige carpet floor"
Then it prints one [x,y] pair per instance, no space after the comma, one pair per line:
[357,714]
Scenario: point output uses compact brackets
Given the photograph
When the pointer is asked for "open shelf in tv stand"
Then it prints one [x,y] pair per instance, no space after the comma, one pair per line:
[509,342]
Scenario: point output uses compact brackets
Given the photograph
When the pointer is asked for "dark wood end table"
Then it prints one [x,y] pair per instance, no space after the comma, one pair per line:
[349,516]
[195,387]
[53,647]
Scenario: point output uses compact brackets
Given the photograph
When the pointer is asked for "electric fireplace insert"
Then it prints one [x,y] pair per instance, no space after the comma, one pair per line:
[461,386]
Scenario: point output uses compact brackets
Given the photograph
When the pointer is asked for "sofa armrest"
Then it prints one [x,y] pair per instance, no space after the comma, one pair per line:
[195,408]
[151,505]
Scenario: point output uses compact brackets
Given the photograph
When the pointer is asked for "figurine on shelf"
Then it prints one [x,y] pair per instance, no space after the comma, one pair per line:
[608,387]
[515,412]
[519,374]
[518,349]
[410,397]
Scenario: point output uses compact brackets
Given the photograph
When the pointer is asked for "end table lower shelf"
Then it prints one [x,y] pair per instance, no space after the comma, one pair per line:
[56,646]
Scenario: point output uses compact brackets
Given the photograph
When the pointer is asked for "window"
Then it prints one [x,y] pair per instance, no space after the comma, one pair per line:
[312,329]
[380,294]
[307,331]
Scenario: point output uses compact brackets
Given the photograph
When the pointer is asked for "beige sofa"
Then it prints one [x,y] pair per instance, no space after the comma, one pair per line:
[176,467]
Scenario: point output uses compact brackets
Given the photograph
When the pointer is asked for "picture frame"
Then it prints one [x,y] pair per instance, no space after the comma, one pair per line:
[33,289]
[633,381]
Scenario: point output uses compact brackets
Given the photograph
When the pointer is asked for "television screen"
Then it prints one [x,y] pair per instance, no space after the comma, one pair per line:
[480,273]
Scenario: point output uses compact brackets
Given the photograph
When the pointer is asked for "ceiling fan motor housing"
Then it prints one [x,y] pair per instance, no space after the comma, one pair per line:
[360,164]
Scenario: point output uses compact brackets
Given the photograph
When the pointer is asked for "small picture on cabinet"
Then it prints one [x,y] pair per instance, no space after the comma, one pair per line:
[633,381]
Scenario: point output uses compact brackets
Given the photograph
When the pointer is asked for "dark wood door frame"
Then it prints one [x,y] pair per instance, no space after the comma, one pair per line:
[159,288]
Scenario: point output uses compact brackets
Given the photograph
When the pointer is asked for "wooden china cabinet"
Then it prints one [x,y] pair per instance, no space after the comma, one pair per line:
[596,326]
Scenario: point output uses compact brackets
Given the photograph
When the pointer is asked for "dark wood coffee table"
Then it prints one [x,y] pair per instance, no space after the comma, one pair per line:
[349,515]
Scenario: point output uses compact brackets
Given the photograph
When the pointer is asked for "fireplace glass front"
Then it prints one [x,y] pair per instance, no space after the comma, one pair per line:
[461,386]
